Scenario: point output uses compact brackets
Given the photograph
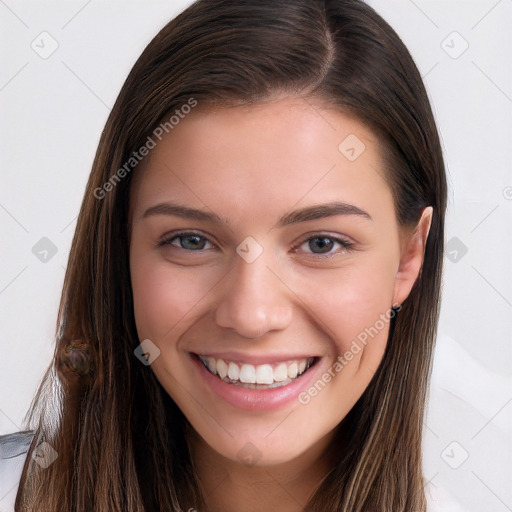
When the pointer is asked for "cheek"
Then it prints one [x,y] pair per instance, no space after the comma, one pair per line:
[354,308]
[355,313]
[165,297]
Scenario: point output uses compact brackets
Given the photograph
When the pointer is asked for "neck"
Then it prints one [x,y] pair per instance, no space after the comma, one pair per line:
[229,486]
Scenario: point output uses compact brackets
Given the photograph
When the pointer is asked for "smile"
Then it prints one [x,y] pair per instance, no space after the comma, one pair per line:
[263,376]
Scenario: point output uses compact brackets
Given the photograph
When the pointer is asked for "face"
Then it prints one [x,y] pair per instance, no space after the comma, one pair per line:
[265,260]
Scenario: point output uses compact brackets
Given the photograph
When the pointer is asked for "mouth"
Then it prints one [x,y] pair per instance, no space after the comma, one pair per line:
[256,383]
[261,376]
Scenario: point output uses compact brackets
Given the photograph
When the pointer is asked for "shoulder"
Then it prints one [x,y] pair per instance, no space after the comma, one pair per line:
[439,500]
[13,453]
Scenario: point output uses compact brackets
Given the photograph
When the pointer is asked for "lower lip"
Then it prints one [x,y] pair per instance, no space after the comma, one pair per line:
[270,399]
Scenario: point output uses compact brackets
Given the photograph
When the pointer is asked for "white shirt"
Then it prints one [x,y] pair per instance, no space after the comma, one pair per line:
[13,453]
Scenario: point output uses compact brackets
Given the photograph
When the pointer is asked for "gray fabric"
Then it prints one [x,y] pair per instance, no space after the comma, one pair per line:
[12,445]
[13,453]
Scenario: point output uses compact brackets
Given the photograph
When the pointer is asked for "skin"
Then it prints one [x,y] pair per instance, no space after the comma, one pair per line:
[250,165]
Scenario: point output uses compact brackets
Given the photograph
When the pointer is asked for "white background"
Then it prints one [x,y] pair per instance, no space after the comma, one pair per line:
[53,111]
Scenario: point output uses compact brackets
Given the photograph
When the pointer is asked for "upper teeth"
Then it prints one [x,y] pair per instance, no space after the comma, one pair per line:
[260,374]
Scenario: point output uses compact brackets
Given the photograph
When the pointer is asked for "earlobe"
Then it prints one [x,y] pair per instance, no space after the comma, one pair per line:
[412,255]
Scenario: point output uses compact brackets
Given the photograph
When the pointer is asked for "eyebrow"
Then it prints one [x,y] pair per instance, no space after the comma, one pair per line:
[321,212]
[184,212]
[306,214]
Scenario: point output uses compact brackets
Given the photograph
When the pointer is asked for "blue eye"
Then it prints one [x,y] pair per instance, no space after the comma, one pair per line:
[317,245]
[187,241]
[325,245]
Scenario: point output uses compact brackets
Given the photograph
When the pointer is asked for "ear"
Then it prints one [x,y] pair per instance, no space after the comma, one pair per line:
[411,257]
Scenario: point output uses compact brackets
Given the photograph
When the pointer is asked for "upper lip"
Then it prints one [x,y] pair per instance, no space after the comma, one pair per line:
[254,359]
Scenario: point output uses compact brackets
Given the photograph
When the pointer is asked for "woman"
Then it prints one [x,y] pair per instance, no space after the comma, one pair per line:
[252,295]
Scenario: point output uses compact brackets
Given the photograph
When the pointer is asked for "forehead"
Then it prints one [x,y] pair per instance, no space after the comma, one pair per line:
[284,153]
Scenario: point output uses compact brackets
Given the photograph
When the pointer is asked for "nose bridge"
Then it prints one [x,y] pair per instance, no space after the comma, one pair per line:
[254,300]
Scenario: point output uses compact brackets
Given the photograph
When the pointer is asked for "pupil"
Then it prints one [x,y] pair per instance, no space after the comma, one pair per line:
[192,242]
[321,245]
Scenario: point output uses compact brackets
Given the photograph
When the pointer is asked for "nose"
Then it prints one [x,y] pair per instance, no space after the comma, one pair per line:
[254,300]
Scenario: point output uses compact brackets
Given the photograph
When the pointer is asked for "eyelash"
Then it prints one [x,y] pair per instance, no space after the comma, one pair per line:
[167,240]
[345,244]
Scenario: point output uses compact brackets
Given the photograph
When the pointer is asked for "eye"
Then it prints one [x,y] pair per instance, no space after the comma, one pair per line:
[187,241]
[325,245]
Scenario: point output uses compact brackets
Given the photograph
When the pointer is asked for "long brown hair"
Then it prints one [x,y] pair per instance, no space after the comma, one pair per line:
[121,440]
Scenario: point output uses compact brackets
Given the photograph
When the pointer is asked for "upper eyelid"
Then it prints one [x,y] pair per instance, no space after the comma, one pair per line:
[335,237]
[325,234]
[170,236]
[305,237]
